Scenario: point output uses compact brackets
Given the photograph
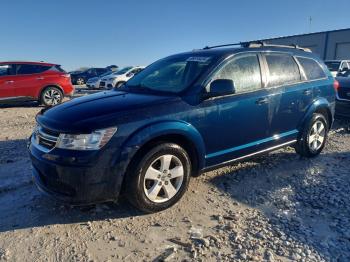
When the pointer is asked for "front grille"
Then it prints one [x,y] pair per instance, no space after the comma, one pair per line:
[46,138]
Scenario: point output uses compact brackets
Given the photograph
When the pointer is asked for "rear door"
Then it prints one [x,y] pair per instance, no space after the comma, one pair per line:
[30,79]
[7,78]
[292,95]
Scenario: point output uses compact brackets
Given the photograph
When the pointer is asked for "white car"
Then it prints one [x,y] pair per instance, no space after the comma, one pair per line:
[94,82]
[337,66]
[120,77]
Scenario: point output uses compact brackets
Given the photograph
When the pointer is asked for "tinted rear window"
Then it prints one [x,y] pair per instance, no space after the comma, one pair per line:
[311,68]
[333,66]
[283,69]
[57,68]
[26,69]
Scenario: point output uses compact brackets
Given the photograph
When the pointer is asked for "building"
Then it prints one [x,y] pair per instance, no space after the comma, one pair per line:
[329,45]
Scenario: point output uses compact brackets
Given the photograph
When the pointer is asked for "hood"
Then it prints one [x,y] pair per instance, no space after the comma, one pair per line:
[99,110]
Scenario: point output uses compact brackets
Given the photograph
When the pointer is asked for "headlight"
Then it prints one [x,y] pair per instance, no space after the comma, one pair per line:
[93,141]
[110,79]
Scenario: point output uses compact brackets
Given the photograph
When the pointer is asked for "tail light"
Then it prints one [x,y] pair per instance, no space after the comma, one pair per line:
[336,85]
[66,75]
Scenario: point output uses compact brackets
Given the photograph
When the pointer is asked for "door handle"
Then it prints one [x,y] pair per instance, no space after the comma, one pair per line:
[40,78]
[262,101]
[9,82]
[307,92]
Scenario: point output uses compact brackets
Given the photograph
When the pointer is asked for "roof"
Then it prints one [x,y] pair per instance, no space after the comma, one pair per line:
[27,62]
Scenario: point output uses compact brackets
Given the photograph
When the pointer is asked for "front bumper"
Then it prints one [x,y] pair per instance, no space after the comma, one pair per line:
[77,177]
[342,109]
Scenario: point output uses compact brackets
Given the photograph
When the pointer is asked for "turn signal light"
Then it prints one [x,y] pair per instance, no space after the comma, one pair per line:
[336,85]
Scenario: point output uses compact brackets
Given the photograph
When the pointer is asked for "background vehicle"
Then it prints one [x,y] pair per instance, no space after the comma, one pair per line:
[180,116]
[25,81]
[95,81]
[342,107]
[80,78]
[120,77]
[337,66]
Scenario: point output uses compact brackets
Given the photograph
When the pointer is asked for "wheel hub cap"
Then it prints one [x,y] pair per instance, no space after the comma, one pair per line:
[163,178]
[317,135]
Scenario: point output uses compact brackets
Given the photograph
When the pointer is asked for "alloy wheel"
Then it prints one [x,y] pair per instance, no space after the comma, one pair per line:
[52,97]
[163,178]
[317,136]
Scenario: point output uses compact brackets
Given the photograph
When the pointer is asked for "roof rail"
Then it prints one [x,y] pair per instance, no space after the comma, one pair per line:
[256,44]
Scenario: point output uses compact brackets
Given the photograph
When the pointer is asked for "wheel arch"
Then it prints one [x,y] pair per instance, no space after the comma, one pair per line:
[178,132]
[47,86]
[321,106]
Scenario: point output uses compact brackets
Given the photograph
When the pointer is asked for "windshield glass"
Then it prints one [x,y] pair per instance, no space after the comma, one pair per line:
[106,74]
[123,71]
[333,66]
[172,74]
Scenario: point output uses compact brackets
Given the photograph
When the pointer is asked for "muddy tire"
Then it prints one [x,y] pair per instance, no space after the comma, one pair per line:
[159,178]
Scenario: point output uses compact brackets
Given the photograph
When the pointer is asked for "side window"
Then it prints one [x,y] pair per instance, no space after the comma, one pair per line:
[345,66]
[26,69]
[243,71]
[282,69]
[311,68]
[7,70]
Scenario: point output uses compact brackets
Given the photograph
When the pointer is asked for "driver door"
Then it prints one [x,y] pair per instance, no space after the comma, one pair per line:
[236,125]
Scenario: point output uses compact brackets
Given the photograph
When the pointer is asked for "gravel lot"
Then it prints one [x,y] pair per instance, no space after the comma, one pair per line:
[276,207]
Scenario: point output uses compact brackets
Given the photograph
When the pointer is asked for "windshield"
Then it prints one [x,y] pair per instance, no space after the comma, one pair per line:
[106,74]
[123,71]
[333,66]
[172,74]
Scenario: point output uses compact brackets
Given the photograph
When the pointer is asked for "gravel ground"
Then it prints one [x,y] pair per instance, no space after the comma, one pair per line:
[276,207]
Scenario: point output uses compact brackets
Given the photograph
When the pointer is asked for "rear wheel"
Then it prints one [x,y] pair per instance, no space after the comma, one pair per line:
[314,137]
[80,81]
[51,96]
[159,179]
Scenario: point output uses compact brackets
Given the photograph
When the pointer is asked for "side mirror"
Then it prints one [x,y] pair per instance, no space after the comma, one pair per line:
[221,87]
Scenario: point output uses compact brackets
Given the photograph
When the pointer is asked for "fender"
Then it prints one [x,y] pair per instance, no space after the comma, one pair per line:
[319,103]
[154,130]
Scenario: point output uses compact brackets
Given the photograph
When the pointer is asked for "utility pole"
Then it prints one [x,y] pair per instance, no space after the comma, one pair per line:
[310,22]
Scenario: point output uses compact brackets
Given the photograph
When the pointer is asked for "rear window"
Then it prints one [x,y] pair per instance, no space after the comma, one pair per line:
[333,65]
[311,68]
[283,69]
[57,68]
[26,69]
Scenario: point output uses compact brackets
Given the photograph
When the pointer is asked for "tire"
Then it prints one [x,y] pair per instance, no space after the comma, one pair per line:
[150,186]
[119,84]
[51,96]
[80,81]
[314,136]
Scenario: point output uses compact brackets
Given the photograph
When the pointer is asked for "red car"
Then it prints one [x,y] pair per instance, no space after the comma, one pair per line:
[27,81]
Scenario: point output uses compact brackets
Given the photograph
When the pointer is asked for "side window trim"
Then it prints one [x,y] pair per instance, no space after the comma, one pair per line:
[230,59]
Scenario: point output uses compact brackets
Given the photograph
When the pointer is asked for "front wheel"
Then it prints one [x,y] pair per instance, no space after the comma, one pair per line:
[51,96]
[314,137]
[159,179]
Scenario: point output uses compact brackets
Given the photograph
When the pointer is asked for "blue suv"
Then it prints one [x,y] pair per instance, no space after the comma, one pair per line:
[182,115]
